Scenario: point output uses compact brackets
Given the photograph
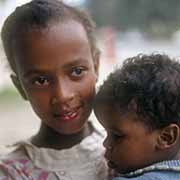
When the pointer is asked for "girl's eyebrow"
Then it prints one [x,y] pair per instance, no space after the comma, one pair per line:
[76,62]
[34,71]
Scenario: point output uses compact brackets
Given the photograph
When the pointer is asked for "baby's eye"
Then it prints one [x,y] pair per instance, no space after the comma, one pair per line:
[41,81]
[116,136]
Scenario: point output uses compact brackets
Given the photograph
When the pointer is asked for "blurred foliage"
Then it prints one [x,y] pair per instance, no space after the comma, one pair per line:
[2,1]
[154,17]
[9,95]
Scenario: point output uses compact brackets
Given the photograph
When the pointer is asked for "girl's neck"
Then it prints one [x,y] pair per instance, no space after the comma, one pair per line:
[48,138]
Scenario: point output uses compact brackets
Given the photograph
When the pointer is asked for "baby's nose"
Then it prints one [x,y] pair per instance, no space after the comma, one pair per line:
[107,144]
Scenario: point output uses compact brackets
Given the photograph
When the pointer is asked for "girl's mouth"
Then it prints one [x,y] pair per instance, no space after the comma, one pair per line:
[67,116]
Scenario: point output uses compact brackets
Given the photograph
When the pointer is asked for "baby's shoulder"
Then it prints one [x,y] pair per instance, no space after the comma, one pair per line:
[142,177]
[154,175]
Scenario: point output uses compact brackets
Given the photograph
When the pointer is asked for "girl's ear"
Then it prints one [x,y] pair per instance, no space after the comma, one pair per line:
[168,137]
[18,85]
[96,60]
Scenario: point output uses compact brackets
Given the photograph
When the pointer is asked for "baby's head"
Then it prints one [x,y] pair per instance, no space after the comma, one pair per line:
[139,106]
[52,52]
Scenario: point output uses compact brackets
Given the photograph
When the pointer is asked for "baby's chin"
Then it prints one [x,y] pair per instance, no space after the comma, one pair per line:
[111,165]
[118,170]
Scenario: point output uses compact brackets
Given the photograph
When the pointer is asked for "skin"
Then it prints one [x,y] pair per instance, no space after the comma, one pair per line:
[130,145]
[56,73]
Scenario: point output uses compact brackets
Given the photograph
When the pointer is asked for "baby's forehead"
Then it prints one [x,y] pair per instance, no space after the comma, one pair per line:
[109,111]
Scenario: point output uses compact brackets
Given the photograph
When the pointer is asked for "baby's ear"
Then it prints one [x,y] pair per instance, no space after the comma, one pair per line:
[168,137]
[18,85]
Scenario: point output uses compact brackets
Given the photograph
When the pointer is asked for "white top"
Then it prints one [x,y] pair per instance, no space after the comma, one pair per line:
[83,161]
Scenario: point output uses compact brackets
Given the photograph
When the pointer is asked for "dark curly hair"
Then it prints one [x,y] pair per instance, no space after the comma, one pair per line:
[152,82]
[38,14]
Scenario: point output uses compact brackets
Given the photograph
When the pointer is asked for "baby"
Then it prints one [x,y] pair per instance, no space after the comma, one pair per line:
[139,106]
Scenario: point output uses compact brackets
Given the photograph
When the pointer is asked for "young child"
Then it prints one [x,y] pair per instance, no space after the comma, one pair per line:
[139,106]
[52,52]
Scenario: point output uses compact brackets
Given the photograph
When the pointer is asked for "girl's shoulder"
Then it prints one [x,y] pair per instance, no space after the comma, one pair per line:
[31,162]
[15,164]
[28,160]
[98,128]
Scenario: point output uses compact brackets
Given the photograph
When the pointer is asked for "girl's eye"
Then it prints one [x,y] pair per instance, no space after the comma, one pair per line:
[77,71]
[41,81]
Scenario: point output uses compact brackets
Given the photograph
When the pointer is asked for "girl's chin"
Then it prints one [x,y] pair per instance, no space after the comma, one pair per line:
[68,132]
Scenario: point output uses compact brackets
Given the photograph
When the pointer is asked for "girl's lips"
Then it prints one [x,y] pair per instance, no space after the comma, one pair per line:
[67,116]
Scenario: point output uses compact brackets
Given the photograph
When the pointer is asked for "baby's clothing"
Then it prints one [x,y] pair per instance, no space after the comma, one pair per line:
[166,170]
[83,161]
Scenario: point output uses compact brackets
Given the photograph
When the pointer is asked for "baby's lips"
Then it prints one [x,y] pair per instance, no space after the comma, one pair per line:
[106,155]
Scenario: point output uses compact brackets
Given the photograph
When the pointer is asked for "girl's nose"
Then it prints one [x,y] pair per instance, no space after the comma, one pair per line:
[62,93]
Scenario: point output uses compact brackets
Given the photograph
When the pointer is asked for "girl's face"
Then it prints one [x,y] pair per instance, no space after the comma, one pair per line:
[129,144]
[58,75]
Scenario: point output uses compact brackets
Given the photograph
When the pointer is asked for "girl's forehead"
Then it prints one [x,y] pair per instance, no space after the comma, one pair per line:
[56,29]
[69,26]
[55,32]
[58,44]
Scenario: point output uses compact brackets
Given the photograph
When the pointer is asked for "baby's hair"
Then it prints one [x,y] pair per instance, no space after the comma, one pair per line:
[151,84]
[38,14]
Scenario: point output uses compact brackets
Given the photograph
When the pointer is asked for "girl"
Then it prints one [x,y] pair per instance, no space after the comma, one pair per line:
[52,52]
